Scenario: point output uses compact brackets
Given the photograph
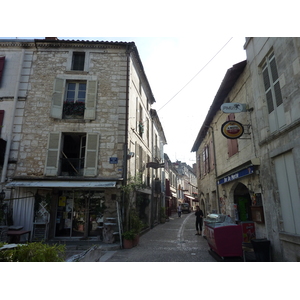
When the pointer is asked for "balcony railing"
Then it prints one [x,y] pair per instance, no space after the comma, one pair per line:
[73,109]
[72,166]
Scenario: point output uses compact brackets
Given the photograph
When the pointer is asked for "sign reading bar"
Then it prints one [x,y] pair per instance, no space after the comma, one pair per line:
[237,175]
[230,108]
[232,129]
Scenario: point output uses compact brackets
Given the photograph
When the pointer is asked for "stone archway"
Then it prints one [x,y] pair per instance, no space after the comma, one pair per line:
[242,200]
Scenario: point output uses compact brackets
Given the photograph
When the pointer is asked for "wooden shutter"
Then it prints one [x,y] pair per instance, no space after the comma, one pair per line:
[2,60]
[288,192]
[1,119]
[91,156]
[90,103]
[211,155]
[199,165]
[52,160]
[58,98]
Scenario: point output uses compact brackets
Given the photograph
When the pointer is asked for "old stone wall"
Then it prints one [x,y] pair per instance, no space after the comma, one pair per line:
[109,69]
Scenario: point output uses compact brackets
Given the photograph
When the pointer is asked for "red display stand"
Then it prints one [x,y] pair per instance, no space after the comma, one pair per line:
[226,241]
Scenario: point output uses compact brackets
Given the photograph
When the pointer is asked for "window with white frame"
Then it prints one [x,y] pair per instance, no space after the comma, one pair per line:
[72,154]
[273,93]
[73,99]
[74,103]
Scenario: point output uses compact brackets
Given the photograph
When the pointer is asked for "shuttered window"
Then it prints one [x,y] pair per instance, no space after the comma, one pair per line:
[211,155]
[74,99]
[91,157]
[2,60]
[1,120]
[88,145]
[273,93]
[90,103]
[53,154]
[58,98]
[205,160]
[288,192]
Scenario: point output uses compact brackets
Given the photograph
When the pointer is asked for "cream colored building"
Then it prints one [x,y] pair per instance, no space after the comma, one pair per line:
[83,124]
[228,178]
[274,65]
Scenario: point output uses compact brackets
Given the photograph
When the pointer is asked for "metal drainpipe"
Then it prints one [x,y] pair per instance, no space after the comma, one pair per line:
[126,129]
[215,162]
[152,181]
[9,139]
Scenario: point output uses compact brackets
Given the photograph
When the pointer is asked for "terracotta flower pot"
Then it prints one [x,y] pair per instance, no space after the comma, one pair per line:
[127,244]
[136,240]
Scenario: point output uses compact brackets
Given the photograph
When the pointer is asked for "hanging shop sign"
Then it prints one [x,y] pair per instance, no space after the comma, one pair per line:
[155,165]
[232,129]
[230,108]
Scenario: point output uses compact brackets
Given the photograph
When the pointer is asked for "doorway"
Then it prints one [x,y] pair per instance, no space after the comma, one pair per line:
[79,213]
[73,151]
[242,201]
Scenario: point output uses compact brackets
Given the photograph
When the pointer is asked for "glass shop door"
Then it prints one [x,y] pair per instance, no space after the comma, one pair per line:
[76,213]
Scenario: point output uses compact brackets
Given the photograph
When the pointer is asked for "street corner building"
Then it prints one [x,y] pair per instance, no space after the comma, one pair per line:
[76,124]
[247,149]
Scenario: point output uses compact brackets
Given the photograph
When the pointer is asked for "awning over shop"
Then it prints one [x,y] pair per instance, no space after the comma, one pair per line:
[189,197]
[62,184]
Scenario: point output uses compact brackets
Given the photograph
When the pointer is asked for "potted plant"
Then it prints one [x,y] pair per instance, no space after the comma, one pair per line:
[136,225]
[162,215]
[128,237]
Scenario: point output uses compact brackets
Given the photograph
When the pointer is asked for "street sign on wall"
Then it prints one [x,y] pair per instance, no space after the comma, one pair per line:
[232,129]
[230,108]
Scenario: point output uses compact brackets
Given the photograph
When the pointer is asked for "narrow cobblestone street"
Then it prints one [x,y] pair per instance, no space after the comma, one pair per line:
[174,241]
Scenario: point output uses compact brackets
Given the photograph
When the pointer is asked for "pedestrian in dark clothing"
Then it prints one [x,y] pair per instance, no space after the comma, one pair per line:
[199,217]
[179,211]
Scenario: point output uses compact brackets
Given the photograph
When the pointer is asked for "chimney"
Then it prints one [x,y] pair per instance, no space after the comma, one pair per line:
[51,38]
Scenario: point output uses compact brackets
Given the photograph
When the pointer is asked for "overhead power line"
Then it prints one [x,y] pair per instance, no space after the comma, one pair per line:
[195,75]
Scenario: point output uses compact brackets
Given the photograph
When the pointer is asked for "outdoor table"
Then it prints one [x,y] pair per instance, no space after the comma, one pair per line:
[15,227]
[16,235]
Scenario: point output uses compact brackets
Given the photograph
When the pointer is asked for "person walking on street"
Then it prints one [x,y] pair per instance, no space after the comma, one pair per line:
[199,217]
[179,210]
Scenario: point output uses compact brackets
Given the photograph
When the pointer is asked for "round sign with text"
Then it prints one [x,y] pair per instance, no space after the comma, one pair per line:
[232,129]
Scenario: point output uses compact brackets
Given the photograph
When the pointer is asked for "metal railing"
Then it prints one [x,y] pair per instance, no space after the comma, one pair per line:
[72,166]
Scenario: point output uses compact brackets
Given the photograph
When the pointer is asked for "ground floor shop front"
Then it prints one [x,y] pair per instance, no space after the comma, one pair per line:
[75,210]
[65,210]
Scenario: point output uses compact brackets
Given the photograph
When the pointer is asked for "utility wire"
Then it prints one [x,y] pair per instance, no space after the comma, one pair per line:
[196,74]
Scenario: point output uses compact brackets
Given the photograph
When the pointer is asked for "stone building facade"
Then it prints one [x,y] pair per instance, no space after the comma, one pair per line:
[255,177]
[85,128]
[274,65]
